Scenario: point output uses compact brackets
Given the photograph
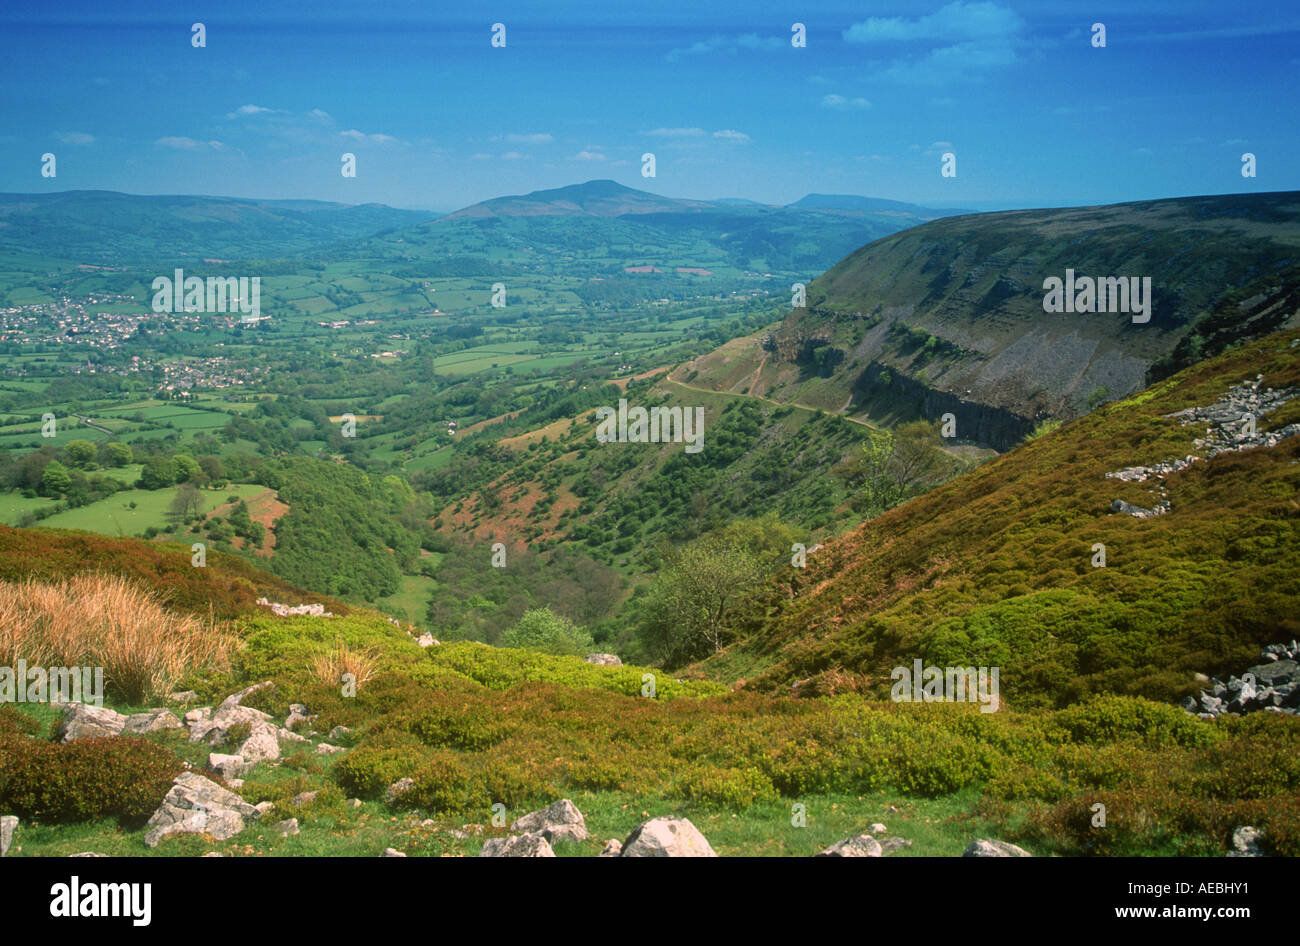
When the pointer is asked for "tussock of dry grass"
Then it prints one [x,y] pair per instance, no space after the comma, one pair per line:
[107,621]
[330,666]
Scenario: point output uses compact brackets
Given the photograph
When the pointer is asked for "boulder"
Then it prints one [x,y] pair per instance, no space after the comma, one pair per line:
[214,729]
[986,847]
[8,825]
[263,745]
[298,715]
[863,845]
[426,640]
[1276,673]
[337,733]
[198,805]
[88,854]
[604,660]
[1246,842]
[666,837]
[81,721]
[878,828]
[561,821]
[228,766]
[517,845]
[184,696]
[153,721]
[325,748]
[392,852]
[287,828]
[237,699]
[613,848]
[304,798]
[890,845]
[398,789]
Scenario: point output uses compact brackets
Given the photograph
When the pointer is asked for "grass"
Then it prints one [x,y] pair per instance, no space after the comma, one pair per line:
[109,622]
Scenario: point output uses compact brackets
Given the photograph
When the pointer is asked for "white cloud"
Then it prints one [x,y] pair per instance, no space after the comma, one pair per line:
[964,39]
[513,156]
[181,143]
[378,139]
[839,101]
[589,156]
[727,134]
[956,22]
[245,110]
[676,132]
[729,44]
[75,138]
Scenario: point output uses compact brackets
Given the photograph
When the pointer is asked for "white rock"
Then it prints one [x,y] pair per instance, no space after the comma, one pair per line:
[666,837]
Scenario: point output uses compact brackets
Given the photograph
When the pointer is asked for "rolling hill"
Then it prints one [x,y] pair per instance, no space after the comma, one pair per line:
[949,316]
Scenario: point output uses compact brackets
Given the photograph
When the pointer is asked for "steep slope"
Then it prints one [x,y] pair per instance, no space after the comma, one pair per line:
[949,316]
[999,567]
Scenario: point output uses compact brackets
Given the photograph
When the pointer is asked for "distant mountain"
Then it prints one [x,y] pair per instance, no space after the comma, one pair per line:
[592,199]
[948,317]
[109,228]
[851,203]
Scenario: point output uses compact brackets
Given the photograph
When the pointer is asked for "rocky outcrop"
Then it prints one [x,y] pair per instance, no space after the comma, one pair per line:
[666,837]
[986,847]
[1273,686]
[604,660]
[561,821]
[863,845]
[285,610]
[517,845]
[8,825]
[81,721]
[197,805]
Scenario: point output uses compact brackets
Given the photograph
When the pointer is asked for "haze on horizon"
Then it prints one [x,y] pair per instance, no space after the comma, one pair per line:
[440,119]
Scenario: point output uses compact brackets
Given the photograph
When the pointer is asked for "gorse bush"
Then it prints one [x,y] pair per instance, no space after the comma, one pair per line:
[110,622]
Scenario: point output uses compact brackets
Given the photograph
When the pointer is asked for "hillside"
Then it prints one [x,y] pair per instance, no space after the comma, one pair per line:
[593,199]
[998,567]
[108,228]
[949,316]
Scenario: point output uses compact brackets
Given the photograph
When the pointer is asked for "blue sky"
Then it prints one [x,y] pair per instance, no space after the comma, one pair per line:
[439,119]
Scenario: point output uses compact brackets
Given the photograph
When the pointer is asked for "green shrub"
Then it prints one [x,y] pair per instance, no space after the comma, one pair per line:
[84,780]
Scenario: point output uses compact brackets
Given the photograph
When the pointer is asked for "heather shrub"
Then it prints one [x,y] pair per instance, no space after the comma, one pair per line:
[84,780]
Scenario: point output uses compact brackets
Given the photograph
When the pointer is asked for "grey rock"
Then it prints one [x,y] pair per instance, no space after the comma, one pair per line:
[8,825]
[198,805]
[561,821]
[184,696]
[81,721]
[877,828]
[1276,673]
[666,837]
[88,854]
[517,845]
[304,798]
[613,848]
[398,789]
[153,721]
[287,828]
[426,640]
[237,699]
[392,852]
[263,745]
[1246,842]
[325,748]
[604,660]
[228,766]
[986,847]
[338,732]
[890,845]
[863,845]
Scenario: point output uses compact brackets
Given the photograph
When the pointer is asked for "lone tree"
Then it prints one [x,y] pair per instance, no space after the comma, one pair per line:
[187,503]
